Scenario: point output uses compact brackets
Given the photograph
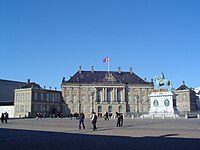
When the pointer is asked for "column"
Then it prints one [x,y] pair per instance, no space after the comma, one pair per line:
[116,94]
[103,95]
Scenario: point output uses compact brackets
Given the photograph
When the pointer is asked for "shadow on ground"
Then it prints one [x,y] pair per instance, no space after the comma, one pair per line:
[11,139]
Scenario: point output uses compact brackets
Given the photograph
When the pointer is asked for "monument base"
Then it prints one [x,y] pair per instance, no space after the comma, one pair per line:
[162,105]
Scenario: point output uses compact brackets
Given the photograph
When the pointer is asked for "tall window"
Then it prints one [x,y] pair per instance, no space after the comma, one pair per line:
[143,98]
[83,98]
[100,109]
[47,97]
[99,96]
[42,96]
[67,98]
[110,109]
[119,96]
[184,98]
[35,96]
[90,99]
[109,96]
[74,99]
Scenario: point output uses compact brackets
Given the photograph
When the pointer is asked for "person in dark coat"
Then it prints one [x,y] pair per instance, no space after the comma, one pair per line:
[94,121]
[6,117]
[106,116]
[2,118]
[118,119]
[121,119]
[81,120]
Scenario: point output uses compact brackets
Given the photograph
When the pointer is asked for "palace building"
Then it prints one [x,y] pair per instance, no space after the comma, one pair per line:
[101,91]
[31,99]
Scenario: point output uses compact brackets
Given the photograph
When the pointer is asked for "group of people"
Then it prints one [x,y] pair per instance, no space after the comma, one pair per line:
[4,117]
[94,119]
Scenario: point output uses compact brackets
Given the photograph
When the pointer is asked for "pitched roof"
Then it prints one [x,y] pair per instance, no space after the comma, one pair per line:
[99,77]
[183,87]
[31,85]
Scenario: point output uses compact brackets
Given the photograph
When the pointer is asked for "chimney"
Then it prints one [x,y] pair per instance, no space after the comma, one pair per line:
[183,82]
[119,69]
[131,70]
[44,87]
[50,88]
[92,69]
[145,79]
[80,69]
[29,80]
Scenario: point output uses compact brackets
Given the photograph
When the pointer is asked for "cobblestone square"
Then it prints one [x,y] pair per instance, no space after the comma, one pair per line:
[135,134]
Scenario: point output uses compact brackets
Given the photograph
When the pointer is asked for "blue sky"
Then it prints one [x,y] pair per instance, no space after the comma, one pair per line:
[46,40]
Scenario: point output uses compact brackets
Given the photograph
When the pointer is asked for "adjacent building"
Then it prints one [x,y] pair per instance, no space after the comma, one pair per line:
[7,88]
[185,99]
[31,99]
[101,91]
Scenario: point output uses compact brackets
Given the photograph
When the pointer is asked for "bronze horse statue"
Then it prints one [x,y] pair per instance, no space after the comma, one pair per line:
[161,81]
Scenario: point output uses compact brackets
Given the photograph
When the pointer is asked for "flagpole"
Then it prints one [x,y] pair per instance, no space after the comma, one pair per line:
[108,64]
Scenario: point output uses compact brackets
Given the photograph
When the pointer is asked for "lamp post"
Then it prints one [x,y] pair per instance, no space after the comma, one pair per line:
[137,104]
[92,100]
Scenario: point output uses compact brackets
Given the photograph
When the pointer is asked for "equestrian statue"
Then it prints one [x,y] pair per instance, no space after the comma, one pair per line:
[161,81]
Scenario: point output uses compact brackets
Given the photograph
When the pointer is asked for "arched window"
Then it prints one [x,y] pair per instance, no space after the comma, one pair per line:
[110,109]
[99,109]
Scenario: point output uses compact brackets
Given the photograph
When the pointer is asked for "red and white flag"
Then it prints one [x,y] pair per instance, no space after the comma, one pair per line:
[106,59]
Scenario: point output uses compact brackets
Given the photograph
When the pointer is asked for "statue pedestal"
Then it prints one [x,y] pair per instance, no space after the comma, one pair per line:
[162,104]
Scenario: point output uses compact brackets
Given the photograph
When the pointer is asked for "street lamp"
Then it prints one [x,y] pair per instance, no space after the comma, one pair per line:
[93,100]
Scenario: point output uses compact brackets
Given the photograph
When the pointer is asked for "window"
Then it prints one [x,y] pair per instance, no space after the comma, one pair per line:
[110,109]
[22,97]
[47,108]
[74,99]
[184,98]
[109,96]
[27,97]
[21,108]
[83,98]
[27,108]
[35,96]
[53,97]
[143,98]
[90,99]
[35,108]
[42,96]
[135,98]
[67,98]
[17,108]
[143,109]
[99,109]
[99,96]
[83,108]
[47,97]
[119,96]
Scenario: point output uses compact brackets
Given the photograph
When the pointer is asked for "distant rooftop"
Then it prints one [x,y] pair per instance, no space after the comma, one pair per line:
[98,77]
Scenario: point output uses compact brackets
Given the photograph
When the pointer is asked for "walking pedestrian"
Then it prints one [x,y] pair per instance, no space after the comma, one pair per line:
[106,116]
[2,117]
[6,117]
[94,121]
[81,120]
[118,119]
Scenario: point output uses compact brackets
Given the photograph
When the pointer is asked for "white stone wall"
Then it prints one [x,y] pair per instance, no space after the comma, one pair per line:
[8,109]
